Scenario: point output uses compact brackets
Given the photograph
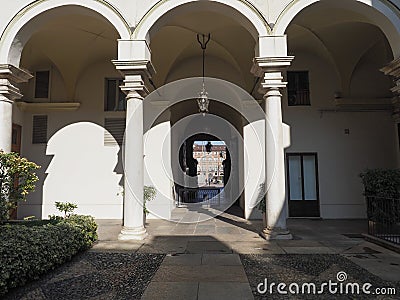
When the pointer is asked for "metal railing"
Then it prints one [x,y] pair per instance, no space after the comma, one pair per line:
[208,196]
[384,218]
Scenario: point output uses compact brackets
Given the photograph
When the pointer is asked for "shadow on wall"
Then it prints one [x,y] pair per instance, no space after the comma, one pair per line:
[84,171]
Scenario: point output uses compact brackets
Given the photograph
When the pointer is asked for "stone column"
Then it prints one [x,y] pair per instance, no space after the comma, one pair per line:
[10,76]
[135,73]
[270,68]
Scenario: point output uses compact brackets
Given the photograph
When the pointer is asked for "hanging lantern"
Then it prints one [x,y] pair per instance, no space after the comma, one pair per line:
[202,100]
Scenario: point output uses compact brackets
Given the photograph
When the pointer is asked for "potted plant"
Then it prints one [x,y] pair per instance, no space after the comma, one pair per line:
[149,193]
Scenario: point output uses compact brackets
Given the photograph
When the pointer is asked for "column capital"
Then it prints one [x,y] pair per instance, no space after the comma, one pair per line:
[136,73]
[393,70]
[10,76]
[270,64]
[270,69]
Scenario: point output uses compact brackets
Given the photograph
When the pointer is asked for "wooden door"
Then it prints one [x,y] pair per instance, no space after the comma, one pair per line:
[15,147]
[16,138]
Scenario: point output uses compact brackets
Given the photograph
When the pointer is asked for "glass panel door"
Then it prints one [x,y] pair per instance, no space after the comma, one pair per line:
[302,174]
[295,177]
[310,178]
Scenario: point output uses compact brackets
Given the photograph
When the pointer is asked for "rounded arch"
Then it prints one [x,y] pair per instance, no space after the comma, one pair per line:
[247,15]
[383,16]
[16,34]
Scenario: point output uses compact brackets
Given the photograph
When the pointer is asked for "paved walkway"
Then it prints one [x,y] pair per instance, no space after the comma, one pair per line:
[204,258]
[221,258]
[200,276]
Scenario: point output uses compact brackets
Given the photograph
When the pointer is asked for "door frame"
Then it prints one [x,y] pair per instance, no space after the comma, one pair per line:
[16,147]
[302,154]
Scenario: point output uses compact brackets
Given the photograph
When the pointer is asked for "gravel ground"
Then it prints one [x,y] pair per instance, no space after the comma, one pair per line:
[94,275]
[310,268]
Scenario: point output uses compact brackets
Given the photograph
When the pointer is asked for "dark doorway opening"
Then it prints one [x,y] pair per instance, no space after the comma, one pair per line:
[205,159]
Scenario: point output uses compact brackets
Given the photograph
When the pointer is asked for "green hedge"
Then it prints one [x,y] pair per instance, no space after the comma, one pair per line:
[382,188]
[26,252]
[382,183]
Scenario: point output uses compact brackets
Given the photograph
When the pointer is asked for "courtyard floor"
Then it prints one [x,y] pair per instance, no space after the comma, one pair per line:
[220,258]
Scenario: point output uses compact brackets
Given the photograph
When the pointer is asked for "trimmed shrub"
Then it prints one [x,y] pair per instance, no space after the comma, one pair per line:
[382,183]
[31,223]
[86,225]
[28,251]
[382,190]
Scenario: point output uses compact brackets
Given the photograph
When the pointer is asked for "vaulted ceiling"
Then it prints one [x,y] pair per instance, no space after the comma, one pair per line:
[70,43]
[177,54]
[347,41]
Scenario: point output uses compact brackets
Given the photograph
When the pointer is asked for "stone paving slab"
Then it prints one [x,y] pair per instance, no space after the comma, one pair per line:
[221,259]
[298,243]
[227,230]
[224,291]
[207,247]
[183,259]
[200,276]
[384,265]
[256,247]
[171,290]
[202,273]
[115,246]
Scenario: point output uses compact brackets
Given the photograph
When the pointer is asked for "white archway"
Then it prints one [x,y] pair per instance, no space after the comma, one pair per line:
[246,13]
[380,14]
[16,34]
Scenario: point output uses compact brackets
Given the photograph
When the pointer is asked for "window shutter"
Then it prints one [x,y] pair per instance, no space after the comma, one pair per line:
[114,130]
[39,129]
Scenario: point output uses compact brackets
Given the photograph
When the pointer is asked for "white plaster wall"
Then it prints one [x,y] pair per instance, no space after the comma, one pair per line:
[17,115]
[76,166]
[341,157]
[254,166]
[158,172]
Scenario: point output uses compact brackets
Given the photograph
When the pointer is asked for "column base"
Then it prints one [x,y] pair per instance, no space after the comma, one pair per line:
[276,234]
[132,233]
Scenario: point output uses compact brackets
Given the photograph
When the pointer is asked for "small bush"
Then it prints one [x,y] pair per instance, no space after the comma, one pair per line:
[87,226]
[149,193]
[66,207]
[31,223]
[382,183]
[15,169]
[383,188]
[28,251]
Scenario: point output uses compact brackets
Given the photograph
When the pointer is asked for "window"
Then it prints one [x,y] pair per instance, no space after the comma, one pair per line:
[298,88]
[115,99]
[39,129]
[42,84]
[114,130]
